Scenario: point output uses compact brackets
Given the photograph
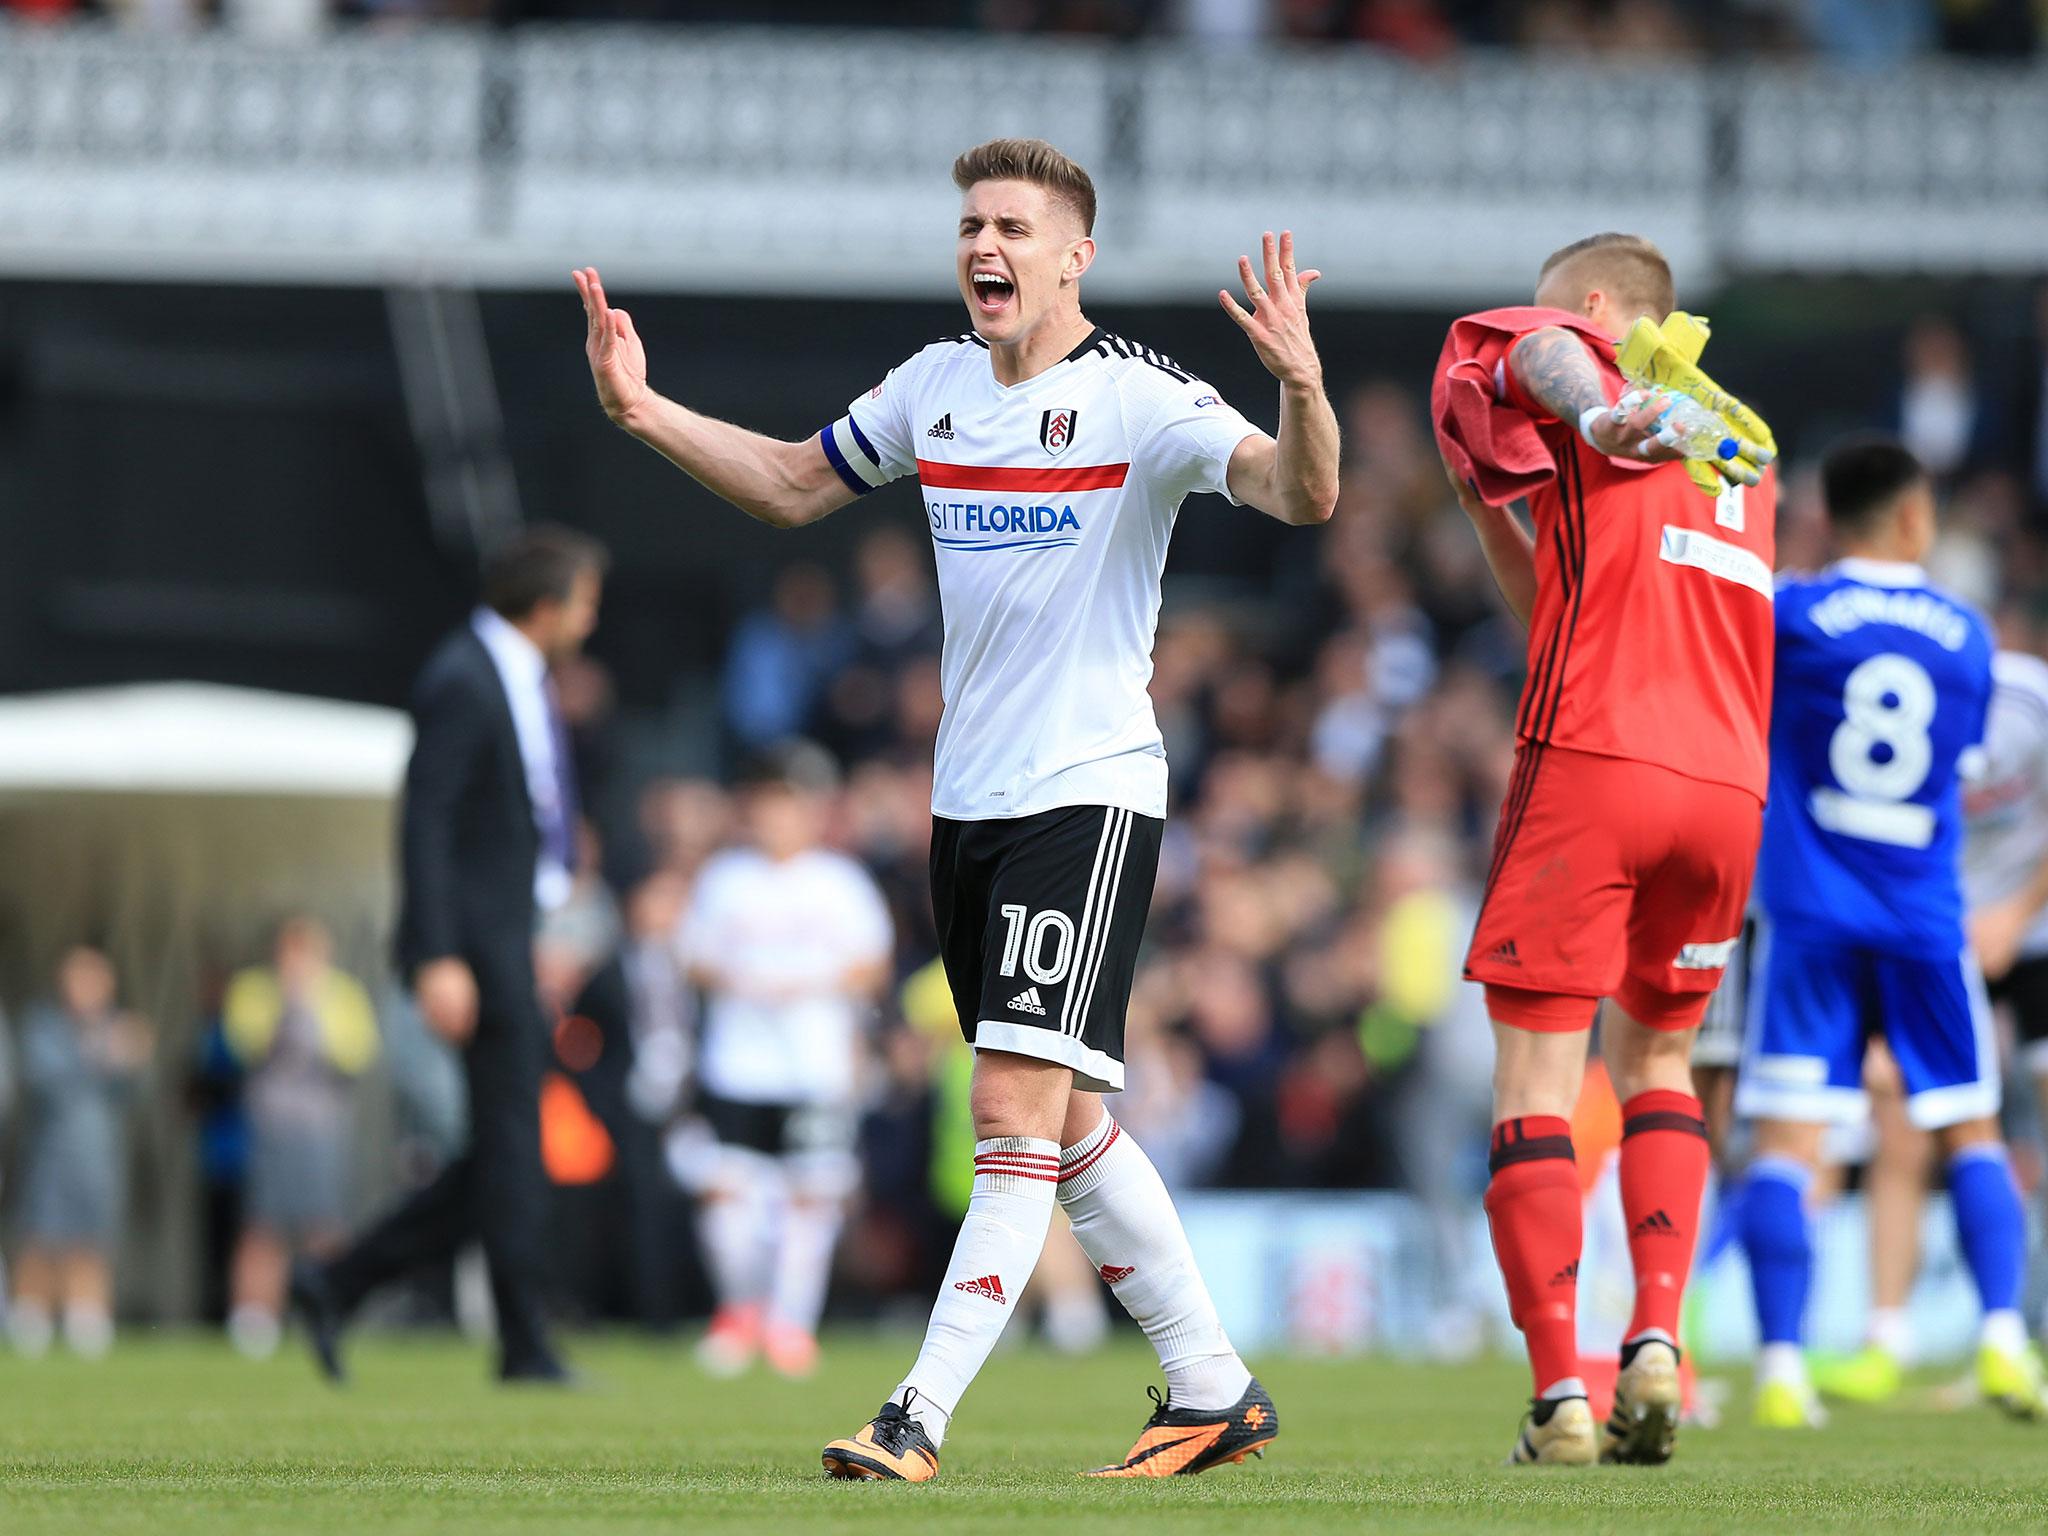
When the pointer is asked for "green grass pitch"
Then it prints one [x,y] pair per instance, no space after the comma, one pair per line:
[176,1435]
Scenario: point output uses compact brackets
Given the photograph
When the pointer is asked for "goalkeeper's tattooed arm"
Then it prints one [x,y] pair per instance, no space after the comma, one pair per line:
[1555,370]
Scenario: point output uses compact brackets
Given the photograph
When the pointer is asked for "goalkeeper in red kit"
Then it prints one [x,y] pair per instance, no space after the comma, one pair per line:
[1626,843]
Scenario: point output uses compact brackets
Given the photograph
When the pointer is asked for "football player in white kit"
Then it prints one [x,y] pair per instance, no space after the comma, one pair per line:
[1052,458]
[790,943]
[2005,857]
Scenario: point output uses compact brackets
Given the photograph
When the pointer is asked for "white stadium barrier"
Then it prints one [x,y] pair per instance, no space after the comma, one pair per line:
[737,160]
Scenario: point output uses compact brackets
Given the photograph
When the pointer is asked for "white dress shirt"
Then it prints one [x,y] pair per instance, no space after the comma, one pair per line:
[523,671]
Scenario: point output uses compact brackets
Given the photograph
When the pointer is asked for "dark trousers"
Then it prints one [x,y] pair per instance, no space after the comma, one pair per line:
[495,1190]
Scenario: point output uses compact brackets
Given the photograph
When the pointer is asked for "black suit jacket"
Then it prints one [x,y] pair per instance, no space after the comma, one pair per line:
[468,842]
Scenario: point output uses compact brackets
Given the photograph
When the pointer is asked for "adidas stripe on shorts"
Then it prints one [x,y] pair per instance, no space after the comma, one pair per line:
[1040,918]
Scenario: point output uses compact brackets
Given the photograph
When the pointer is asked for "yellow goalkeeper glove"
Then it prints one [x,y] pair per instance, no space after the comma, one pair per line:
[1667,357]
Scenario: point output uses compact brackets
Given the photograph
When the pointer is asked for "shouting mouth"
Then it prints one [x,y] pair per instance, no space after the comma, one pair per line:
[993,292]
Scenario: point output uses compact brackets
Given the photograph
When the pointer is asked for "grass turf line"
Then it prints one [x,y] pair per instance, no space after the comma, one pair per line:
[176,1435]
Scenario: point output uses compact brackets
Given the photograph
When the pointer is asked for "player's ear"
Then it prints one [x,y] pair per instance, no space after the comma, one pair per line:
[1080,257]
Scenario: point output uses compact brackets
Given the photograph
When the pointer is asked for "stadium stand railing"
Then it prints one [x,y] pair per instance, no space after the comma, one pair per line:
[751,160]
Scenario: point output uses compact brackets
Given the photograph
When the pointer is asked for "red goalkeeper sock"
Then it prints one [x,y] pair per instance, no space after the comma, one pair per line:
[1534,1208]
[1664,1160]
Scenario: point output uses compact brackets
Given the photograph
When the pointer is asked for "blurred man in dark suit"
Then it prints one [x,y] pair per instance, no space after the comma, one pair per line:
[488,844]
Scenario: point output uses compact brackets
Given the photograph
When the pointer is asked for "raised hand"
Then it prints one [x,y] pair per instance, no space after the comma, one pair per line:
[1277,322]
[618,363]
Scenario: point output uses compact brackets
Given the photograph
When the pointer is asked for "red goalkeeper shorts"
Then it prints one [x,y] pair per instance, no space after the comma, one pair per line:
[1611,878]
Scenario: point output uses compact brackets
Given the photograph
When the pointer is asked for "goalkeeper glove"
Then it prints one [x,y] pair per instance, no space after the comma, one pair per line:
[1667,357]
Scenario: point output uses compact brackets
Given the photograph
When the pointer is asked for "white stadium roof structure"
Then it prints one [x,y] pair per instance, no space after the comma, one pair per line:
[200,738]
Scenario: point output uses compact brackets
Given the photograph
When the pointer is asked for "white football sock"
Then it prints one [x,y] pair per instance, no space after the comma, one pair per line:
[88,1330]
[1000,1240]
[1891,1330]
[803,1263]
[733,1225]
[2005,1331]
[1776,1363]
[254,1331]
[1126,1224]
[30,1328]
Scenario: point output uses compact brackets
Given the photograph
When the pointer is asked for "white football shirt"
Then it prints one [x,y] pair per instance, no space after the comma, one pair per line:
[2005,811]
[783,935]
[1049,503]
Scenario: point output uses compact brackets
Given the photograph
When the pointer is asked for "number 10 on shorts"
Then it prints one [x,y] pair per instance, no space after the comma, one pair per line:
[1026,938]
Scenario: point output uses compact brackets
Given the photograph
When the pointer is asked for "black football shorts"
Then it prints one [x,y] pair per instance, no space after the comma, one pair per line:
[1040,918]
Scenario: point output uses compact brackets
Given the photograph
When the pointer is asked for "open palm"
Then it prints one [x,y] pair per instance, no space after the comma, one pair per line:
[1277,322]
[618,363]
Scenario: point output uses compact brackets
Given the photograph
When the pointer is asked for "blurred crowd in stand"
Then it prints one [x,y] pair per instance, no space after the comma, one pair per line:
[1340,735]
[1864,33]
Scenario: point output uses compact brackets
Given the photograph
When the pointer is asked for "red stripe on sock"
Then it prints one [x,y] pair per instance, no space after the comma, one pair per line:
[1090,1160]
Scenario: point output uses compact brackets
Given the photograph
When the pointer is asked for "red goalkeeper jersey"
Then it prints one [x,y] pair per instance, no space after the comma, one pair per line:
[1652,633]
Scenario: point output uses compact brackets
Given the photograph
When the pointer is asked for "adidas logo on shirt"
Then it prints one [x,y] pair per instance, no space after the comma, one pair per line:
[1027,1002]
[942,428]
[990,1286]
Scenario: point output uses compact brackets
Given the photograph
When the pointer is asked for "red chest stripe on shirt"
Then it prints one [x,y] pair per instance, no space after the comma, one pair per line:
[1001,477]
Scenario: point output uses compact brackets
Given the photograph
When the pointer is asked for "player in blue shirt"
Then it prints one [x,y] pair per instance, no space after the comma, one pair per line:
[1882,685]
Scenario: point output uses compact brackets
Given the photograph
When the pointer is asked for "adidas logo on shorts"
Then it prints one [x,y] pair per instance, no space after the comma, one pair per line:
[990,1286]
[1027,1002]
[1113,1273]
[942,428]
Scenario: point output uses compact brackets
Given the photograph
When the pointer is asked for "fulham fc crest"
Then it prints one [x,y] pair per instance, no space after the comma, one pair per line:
[1056,430]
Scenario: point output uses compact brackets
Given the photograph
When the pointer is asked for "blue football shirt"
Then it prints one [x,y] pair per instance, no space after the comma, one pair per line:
[1882,685]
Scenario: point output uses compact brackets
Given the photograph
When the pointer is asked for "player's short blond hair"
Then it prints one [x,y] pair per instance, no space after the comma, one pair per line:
[1035,161]
[1629,267]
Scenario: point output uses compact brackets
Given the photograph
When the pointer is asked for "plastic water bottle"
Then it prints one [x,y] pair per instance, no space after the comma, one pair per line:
[1690,427]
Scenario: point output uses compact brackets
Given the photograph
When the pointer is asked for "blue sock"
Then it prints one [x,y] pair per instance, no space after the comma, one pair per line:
[1780,1244]
[1991,1222]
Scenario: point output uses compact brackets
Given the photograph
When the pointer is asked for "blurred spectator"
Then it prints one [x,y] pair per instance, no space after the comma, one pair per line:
[895,624]
[82,1058]
[790,943]
[1871,34]
[303,1034]
[782,657]
[6,1119]
[2032,426]
[1940,416]
[1860,33]
[1991,28]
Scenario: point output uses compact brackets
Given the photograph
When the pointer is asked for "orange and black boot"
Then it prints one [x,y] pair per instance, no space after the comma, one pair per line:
[1189,1440]
[893,1447]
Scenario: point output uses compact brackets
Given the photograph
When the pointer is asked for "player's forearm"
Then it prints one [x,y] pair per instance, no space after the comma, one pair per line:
[1303,482]
[756,473]
[1510,554]
[1510,551]
[1556,371]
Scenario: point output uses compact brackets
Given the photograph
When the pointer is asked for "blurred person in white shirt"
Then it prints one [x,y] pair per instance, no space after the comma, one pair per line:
[790,943]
